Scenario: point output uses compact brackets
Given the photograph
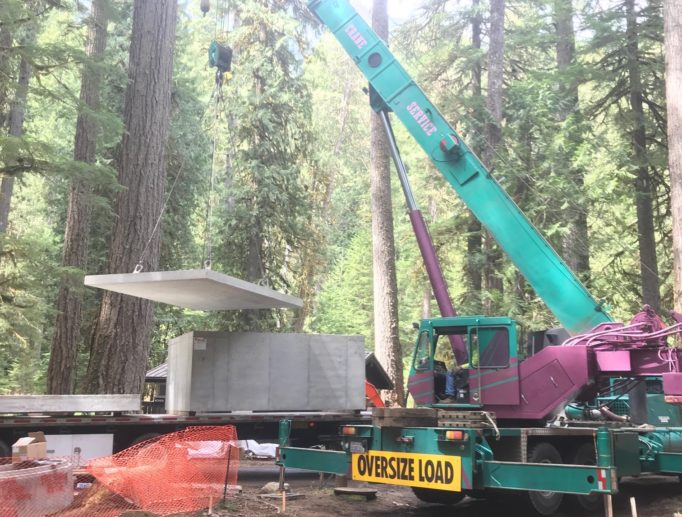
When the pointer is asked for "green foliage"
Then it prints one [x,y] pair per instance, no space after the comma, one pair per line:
[344,305]
[264,214]
[289,205]
[30,255]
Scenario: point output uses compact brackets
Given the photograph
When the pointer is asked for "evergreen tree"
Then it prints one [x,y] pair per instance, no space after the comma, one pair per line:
[629,73]
[673,78]
[120,343]
[63,358]
[267,211]
[387,337]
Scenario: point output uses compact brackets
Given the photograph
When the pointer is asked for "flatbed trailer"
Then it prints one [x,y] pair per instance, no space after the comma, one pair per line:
[126,429]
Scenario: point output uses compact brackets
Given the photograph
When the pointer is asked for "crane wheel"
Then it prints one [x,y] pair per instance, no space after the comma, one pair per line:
[544,503]
[429,495]
[584,455]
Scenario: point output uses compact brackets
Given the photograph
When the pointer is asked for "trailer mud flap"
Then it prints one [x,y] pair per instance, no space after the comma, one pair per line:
[433,471]
[546,477]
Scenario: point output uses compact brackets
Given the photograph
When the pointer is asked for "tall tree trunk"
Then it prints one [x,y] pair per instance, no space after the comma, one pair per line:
[120,343]
[643,186]
[17,113]
[576,244]
[474,230]
[673,78]
[386,332]
[61,374]
[493,135]
[5,74]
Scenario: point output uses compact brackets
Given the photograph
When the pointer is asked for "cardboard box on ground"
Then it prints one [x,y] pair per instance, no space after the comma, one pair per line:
[32,446]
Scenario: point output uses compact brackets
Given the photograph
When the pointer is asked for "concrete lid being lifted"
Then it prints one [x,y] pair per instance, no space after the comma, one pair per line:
[201,289]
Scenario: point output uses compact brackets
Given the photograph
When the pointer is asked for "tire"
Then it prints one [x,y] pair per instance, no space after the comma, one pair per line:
[429,495]
[545,503]
[584,455]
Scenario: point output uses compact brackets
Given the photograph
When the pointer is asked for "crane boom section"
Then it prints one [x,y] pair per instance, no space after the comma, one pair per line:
[542,267]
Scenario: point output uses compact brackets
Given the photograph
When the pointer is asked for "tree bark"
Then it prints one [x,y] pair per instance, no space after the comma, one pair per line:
[493,136]
[17,114]
[474,230]
[643,186]
[61,374]
[576,243]
[5,73]
[386,332]
[120,342]
[673,78]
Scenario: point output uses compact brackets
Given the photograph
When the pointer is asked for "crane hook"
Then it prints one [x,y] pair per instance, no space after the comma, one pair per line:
[205,6]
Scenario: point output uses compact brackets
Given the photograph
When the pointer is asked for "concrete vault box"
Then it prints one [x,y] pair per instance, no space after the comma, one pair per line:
[223,371]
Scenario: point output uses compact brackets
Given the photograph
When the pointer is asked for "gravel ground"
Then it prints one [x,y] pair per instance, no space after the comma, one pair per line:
[655,496]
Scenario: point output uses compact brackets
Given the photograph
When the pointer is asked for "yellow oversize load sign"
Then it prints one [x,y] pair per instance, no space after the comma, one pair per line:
[401,468]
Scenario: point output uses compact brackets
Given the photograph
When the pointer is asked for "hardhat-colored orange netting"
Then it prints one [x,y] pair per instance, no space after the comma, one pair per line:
[177,472]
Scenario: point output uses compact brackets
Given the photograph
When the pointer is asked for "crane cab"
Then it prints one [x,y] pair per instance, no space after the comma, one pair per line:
[491,374]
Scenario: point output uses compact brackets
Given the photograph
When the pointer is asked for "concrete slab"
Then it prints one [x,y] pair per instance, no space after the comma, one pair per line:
[201,289]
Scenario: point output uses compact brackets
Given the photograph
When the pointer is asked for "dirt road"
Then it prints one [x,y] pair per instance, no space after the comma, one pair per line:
[655,497]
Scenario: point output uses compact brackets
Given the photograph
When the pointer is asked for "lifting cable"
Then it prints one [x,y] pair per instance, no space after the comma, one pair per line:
[208,236]
[220,58]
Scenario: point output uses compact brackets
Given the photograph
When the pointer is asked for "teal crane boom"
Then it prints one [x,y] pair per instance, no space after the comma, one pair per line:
[393,89]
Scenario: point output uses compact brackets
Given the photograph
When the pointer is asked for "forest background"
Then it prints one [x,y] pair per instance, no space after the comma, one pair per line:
[269,180]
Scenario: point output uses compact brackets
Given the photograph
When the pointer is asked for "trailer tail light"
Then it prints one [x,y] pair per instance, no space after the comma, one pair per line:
[673,399]
[456,435]
[349,431]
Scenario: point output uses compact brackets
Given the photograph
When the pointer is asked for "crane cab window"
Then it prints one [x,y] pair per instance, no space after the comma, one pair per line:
[444,352]
[423,352]
[489,347]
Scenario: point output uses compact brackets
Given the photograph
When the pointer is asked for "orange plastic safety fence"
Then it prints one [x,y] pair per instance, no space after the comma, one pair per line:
[178,472]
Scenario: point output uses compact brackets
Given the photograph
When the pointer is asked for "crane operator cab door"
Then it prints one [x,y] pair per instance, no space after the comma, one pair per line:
[494,368]
[491,375]
[421,383]
[433,364]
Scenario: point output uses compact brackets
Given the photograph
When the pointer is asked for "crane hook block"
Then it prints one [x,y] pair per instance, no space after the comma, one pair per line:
[205,6]
[220,57]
